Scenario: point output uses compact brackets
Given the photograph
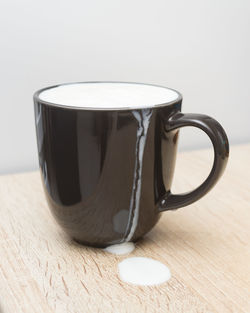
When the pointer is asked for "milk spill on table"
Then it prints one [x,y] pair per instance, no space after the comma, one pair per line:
[143,271]
[122,248]
[139,270]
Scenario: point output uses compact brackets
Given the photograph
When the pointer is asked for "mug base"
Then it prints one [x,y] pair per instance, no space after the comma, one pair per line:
[102,245]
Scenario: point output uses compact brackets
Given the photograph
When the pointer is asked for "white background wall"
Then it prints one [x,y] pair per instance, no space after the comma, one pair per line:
[201,48]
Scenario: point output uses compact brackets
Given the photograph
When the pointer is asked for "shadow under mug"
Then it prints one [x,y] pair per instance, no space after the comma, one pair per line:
[107,173]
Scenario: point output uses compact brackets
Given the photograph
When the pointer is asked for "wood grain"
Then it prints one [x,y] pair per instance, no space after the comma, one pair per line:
[205,245]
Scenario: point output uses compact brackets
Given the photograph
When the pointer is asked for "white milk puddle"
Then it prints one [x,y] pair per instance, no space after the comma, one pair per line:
[139,270]
[122,248]
[143,271]
[143,118]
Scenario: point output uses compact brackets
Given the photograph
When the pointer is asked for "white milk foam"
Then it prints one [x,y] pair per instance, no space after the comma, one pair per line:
[122,248]
[105,96]
[143,271]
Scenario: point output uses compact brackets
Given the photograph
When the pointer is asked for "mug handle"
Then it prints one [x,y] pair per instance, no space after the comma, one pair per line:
[221,152]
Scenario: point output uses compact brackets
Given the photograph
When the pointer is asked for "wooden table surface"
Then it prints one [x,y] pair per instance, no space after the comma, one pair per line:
[205,245]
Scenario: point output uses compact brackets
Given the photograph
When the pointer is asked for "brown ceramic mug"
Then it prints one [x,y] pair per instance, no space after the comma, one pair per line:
[107,154]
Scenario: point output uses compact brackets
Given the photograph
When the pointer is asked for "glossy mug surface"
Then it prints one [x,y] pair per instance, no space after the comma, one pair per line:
[107,155]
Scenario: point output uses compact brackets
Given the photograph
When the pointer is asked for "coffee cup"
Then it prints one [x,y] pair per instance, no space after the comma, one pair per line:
[107,155]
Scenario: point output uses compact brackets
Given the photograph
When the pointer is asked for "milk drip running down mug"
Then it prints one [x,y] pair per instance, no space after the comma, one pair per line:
[107,154]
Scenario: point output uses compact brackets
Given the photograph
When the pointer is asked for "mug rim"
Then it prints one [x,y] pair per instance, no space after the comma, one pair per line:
[154,106]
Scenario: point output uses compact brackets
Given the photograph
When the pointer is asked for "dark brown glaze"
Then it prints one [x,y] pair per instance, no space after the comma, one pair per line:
[221,152]
[87,161]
